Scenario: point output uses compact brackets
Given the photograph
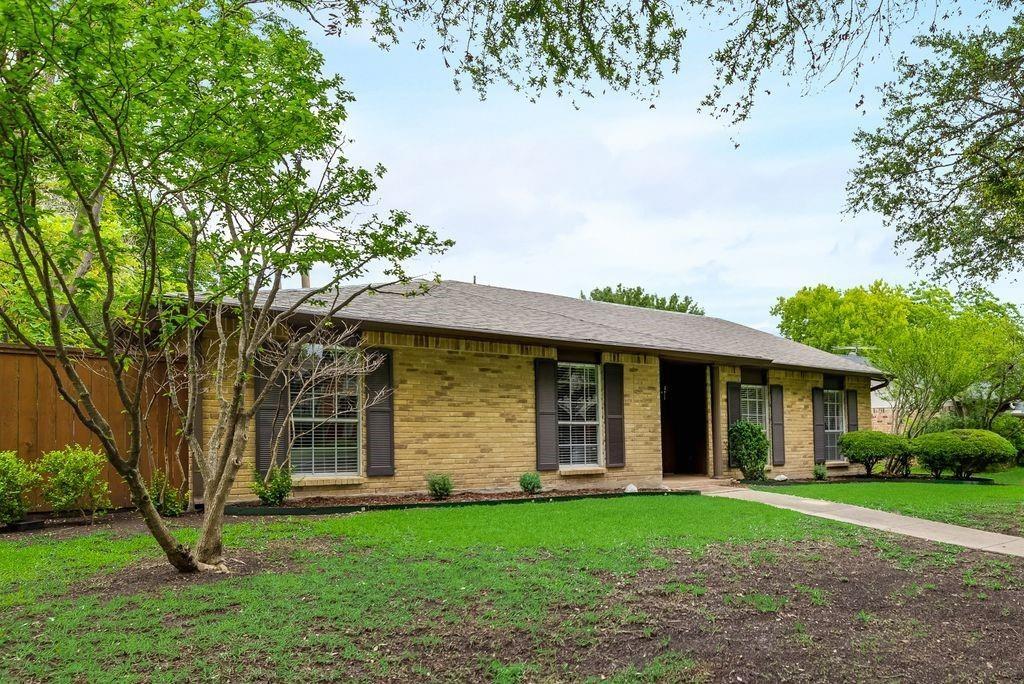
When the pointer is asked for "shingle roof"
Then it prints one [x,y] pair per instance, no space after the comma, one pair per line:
[485,310]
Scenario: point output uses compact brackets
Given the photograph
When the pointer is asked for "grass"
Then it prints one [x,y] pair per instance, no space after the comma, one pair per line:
[998,507]
[352,597]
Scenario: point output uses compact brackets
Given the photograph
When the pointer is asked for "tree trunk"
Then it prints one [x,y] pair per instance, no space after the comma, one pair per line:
[209,548]
[177,553]
[210,545]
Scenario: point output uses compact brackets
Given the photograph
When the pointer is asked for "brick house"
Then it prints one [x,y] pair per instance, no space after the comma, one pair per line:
[486,383]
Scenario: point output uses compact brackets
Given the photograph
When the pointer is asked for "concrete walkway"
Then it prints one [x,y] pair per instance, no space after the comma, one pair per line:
[881,520]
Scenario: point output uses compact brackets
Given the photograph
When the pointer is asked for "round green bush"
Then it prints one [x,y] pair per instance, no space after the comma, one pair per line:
[16,479]
[964,451]
[749,446]
[73,480]
[870,447]
[439,486]
[530,483]
[273,489]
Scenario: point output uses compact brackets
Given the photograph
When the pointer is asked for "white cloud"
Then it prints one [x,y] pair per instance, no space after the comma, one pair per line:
[549,198]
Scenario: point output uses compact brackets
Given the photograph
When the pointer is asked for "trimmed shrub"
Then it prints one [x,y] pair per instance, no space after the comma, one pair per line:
[820,471]
[16,479]
[748,446]
[273,489]
[870,447]
[439,486]
[963,451]
[169,500]
[1012,428]
[73,480]
[530,482]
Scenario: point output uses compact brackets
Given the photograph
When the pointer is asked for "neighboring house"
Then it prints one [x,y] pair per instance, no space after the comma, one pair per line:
[883,415]
[487,383]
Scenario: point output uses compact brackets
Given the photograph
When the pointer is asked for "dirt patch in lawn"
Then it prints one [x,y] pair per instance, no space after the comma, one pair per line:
[155,575]
[890,609]
[904,611]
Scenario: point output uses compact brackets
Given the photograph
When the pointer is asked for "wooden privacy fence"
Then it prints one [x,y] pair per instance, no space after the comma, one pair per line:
[34,419]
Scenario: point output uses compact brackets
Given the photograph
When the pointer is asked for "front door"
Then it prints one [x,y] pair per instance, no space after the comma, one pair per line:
[683,418]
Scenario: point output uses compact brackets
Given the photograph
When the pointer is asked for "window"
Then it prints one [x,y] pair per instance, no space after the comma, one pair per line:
[578,414]
[835,423]
[754,406]
[325,425]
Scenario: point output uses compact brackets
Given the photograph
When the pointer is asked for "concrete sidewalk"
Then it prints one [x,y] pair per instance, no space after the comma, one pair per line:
[881,520]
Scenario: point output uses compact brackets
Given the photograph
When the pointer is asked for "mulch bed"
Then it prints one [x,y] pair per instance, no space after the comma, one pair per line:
[322,505]
[842,479]
[369,500]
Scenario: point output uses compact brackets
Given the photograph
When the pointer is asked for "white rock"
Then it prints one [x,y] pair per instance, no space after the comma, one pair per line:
[780,478]
[631,489]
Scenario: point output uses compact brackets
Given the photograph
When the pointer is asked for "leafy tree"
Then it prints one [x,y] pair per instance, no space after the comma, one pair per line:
[946,167]
[637,296]
[936,347]
[838,320]
[178,137]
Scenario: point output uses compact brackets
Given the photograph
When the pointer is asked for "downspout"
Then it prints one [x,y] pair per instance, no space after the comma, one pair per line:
[716,422]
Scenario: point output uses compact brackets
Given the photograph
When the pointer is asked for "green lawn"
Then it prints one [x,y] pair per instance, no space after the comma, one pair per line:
[628,590]
[998,507]
[506,566]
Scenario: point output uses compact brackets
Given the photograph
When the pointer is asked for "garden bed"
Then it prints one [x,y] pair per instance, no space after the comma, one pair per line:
[847,479]
[319,505]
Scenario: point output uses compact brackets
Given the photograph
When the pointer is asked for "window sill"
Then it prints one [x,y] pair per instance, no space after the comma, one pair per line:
[837,464]
[573,471]
[326,480]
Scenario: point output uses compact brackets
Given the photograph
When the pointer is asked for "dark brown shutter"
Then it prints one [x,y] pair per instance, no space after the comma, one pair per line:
[545,373]
[732,411]
[851,410]
[614,418]
[778,426]
[380,417]
[270,415]
[818,423]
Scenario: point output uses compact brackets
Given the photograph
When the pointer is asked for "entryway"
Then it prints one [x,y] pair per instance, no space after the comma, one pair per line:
[684,429]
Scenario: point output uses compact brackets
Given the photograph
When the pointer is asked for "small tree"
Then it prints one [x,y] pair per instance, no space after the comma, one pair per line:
[749,447]
[869,447]
[193,156]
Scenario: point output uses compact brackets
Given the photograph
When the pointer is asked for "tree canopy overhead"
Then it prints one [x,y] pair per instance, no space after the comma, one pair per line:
[580,47]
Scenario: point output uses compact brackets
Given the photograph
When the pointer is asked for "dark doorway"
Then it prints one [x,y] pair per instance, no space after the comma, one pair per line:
[684,429]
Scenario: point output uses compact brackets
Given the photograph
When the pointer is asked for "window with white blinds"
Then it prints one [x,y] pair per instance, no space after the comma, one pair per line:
[325,425]
[754,406]
[579,423]
[835,423]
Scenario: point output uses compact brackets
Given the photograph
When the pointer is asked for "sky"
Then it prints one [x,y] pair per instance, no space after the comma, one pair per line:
[543,196]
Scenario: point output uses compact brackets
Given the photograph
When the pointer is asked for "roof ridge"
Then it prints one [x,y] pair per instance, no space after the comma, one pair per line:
[581,299]
[618,328]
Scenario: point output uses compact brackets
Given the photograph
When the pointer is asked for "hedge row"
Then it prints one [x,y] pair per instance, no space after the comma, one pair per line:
[963,452]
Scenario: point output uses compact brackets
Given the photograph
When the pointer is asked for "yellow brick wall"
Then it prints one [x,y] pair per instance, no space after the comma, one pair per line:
[796,397]
[466,408]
